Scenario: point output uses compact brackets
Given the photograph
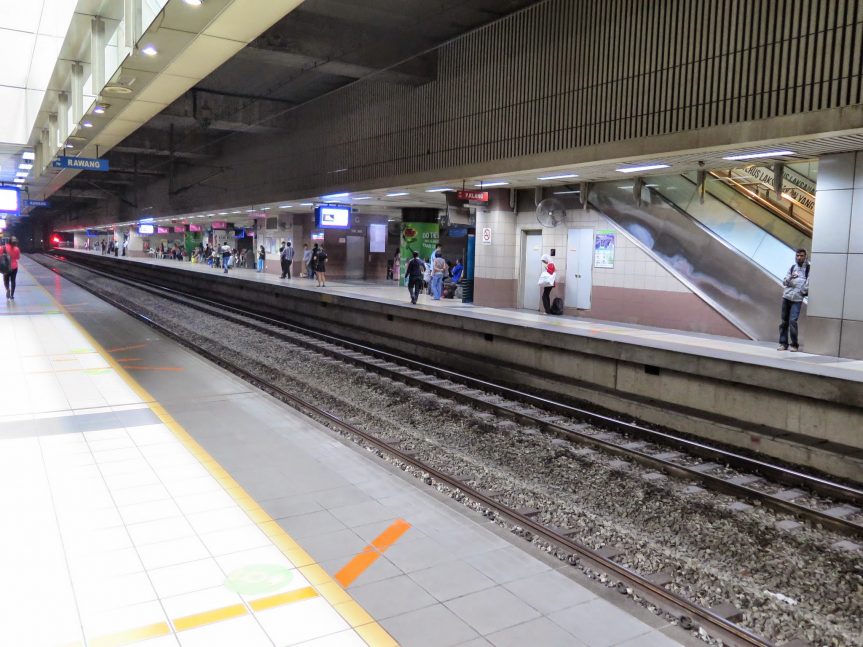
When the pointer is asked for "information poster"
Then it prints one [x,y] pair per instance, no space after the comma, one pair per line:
[419,237]
[603,249]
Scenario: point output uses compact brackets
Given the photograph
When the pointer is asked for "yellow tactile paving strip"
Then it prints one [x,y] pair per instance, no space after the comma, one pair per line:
[320,584]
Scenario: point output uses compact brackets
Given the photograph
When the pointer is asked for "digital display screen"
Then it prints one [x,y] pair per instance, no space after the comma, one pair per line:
[8,200]
[181,229]
[317,235]
[163,230]
[333,217]
[194,228]
[145,229]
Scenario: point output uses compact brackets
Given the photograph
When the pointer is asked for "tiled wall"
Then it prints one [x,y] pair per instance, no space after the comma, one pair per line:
[633,268]
[636,290]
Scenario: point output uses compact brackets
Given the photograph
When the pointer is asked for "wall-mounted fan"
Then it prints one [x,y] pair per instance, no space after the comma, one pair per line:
[550,212]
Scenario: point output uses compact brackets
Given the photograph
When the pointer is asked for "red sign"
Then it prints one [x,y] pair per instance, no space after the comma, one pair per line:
[180,230]
[194,228]
[219,224]
[163,230]
[473,196]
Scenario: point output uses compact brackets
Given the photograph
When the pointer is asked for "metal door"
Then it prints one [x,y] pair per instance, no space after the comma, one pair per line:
[531,269]
[579,265]
[355,257]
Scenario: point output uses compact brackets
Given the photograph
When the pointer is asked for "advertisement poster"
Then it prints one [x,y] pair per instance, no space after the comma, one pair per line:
[419,237]
[603,249]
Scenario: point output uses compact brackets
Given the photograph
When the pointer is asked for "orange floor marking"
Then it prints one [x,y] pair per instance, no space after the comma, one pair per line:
[357,566]
[125,348]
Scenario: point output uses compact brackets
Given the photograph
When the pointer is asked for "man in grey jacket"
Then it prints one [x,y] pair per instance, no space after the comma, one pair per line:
[796,285]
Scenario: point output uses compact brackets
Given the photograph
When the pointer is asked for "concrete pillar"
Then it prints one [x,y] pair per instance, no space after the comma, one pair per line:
[62,118]
[496,277]
[835,314]
[133,16]
[77,94]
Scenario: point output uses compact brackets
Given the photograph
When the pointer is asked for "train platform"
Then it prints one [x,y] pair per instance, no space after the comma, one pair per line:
[155,499]
[753,353]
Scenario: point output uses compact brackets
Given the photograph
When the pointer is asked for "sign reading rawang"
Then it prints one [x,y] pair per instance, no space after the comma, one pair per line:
[81,163]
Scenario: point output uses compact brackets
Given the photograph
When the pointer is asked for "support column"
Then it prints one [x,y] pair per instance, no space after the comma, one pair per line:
[97,54]
[77,92]
[496,276]
[62,119]
[834,325]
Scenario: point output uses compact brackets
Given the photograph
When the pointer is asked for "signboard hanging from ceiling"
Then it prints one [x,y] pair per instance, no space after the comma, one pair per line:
[472,196]
[82,163]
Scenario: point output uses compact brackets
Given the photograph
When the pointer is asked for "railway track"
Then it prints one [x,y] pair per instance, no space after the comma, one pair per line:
[657,450]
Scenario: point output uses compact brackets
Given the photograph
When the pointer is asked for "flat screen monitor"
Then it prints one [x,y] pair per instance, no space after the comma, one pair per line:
[145,230]
[333,217]
[8,200]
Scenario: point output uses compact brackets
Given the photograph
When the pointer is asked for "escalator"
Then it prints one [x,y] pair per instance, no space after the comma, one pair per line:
[730,252]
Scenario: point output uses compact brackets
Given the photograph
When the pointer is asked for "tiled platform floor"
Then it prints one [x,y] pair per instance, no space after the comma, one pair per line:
[153,499]
[743,351]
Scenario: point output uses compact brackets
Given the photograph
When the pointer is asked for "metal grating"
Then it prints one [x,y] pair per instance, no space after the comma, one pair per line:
[566,74]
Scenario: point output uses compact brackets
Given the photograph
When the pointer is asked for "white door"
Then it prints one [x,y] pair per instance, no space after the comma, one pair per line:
[531,270]
[579,263]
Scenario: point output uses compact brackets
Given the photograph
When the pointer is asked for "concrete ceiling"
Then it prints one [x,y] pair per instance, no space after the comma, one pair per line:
[319,47]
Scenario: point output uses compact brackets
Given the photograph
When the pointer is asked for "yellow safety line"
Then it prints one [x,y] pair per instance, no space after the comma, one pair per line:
[370,631]
[209,617]
[130,636]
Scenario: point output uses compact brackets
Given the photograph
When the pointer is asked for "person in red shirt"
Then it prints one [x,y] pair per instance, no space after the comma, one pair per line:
[14,252]
[546,282]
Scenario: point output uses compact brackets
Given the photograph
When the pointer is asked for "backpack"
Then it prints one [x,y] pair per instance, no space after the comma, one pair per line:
[5,261]
[791,269]
[557,306]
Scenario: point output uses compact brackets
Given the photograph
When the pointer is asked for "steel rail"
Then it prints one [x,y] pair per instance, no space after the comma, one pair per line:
[686,610]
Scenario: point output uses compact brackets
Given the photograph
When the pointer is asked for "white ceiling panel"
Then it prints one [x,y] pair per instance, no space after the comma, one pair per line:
[22,15]
[13,125]
[245,20]
[167,90]
[44,59]
[182,17]
[121,127]
[203,56]
[56,16]
[16,48]
[142,111]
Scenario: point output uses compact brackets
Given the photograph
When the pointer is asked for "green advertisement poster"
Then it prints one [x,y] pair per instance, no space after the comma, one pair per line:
[419,237]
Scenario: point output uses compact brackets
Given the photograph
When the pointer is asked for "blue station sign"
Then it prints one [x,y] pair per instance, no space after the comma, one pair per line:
[36,203]
[81,163]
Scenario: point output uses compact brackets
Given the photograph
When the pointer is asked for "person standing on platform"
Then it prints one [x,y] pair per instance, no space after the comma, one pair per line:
[226,256]
[438,270]
[313,260]
[262,258]
[546,282]
[286,254]
[414,276]
[796,284]
[10,267]
[320,263]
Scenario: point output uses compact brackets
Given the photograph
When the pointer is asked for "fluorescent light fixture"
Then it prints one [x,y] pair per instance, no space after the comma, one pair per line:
[100,109]
[265,208]
[22,173]
[363,197]
[485,185]
[223,213]
[752,156]
[334,196]
[307,204]
[396,195]
[565,176]
[250,211]
[68,145]
[235,212]
[87,124]
[25,167]
[28,156]
[149,50]
[19,180]
[636,169]
[438,190]
[286,206]
[565,192]
[194,3]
